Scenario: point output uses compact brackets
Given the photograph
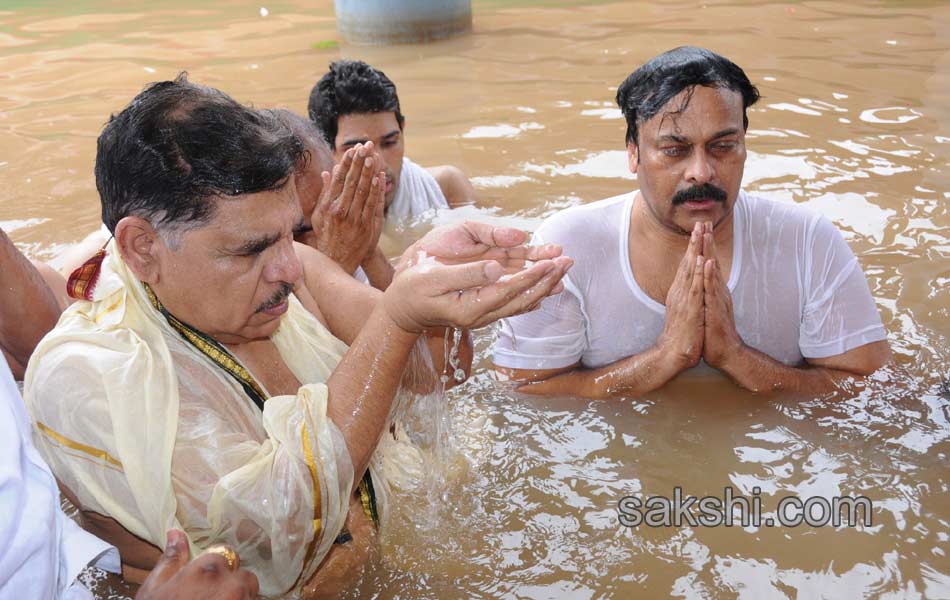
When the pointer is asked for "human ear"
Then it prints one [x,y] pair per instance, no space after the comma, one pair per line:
[633,156]
[139,245]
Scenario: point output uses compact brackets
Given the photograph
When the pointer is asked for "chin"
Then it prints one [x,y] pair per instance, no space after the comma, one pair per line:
[260,326]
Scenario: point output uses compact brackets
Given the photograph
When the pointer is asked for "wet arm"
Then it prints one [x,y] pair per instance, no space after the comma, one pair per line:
[378,270]
[345,304]
[362,386]
[758,372]
[28,308]
[633,376]
[455,186]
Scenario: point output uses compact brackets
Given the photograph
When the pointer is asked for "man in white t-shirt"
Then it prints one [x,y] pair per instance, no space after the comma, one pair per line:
[354,104]
[689,268]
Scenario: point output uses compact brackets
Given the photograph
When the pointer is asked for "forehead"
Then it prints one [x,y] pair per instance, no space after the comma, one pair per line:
[709,109]
[366,125]
[321,159]
[243,217]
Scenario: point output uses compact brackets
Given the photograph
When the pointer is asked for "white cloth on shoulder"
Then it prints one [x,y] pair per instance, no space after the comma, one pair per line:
[797,290]
[418,192]
[144,428]
[42,551]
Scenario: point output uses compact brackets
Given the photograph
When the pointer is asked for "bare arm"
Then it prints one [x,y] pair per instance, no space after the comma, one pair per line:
[359,404]
[456,187]
[345,305]
[632,376]
[759,372]
[28,308]
[723,349]
[378,270]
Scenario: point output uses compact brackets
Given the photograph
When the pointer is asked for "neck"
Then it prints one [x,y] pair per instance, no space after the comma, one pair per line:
[652,232]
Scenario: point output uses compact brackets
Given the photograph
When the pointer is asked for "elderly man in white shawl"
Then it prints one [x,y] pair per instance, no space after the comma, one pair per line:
[218,377]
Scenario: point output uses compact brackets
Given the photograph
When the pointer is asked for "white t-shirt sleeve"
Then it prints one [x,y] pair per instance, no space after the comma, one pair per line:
[839,313]
[551,337]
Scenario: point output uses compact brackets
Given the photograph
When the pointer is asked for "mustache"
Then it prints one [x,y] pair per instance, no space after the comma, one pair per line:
[699,192]
[279,296]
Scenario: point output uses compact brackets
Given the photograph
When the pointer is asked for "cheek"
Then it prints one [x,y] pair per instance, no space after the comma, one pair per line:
[235,288]
[393,157]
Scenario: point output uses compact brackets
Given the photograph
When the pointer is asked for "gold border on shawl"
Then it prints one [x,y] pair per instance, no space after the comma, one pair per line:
[317,496]
[114,306]
[74,445]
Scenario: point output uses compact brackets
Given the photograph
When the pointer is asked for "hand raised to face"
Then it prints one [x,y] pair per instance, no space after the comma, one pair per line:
[348,218]
[176,577]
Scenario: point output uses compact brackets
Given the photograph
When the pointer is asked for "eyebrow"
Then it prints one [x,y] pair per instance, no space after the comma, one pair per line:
[257,245]
[724,133]
[672,137]
[354,141]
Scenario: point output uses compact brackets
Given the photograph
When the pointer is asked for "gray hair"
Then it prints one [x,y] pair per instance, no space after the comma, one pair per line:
[307,132]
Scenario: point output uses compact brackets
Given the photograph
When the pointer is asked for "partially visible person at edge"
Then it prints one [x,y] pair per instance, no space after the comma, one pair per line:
[28,306]
[690,268]
[44,551]
[354,104]
[219,378]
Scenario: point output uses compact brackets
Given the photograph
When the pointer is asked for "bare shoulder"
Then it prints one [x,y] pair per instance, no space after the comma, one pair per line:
[455,185]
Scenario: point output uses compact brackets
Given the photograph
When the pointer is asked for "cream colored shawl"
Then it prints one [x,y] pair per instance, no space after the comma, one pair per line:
[146,429]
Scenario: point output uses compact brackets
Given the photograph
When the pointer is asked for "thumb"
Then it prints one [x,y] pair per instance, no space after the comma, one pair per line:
[177,554]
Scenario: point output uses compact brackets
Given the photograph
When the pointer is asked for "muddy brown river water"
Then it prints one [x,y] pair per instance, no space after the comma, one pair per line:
[854,123]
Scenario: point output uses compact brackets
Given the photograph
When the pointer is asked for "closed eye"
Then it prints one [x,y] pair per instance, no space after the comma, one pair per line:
[255,247]
[675,151]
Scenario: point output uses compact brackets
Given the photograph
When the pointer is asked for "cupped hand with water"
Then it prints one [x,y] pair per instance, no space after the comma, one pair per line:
[471,241]
[470,275]
[348,218]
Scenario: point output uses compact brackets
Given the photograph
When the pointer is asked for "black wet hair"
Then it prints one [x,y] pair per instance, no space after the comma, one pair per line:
[645,92]
[351,87]
[178,146]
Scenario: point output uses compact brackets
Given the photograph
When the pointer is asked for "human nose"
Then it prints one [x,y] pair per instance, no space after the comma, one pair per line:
[285,266]
[700,168]
[379,159]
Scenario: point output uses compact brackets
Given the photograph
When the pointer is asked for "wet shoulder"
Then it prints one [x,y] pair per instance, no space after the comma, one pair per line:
[580,227]
[766,219]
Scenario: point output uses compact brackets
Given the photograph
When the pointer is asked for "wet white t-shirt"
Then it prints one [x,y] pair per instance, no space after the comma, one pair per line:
[418,192]
[797,290]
